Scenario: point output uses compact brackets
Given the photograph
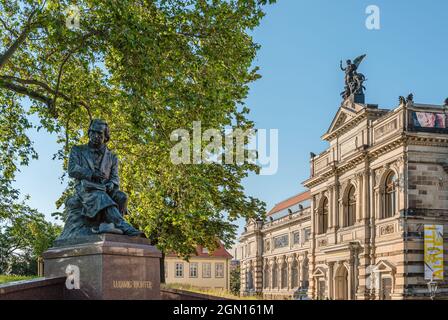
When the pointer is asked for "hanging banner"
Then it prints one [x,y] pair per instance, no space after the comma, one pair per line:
[433,252]
[429,120]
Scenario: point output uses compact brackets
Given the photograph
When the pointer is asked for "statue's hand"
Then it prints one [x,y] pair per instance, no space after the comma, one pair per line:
[97,176]
[110,186]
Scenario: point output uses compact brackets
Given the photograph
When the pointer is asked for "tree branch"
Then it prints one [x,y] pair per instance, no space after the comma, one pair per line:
[35,95]
[12,31]
[56,92]
[26,91]
[69,54]
[20,39]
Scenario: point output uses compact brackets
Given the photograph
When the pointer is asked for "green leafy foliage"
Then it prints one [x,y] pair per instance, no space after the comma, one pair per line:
[23,239]
[235,281]
[148,68]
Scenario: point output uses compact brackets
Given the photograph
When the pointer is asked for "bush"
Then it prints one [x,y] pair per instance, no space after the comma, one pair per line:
[235,281]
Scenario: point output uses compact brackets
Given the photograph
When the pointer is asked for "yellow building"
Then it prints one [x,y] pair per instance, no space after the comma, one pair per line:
[204,270]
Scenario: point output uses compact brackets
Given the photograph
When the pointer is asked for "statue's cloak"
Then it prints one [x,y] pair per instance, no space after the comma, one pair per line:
[90,198]
[93,196]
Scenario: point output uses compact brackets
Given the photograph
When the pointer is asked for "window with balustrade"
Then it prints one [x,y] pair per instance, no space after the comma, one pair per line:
[350,207]
[323,217]
[390,196]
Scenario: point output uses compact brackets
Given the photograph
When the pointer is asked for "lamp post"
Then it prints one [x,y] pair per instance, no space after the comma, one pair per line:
[432,288]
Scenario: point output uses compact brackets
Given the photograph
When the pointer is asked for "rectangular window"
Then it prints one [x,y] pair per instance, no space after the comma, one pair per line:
[219,270]
[179,272]
[296,237]
[206,270]
[281,241]
[307,234]
[193,270]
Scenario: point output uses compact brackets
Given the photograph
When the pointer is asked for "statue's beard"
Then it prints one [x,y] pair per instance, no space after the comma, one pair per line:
[96,143]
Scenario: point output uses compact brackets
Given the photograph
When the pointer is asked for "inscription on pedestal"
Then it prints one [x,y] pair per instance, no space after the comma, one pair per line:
[131,284]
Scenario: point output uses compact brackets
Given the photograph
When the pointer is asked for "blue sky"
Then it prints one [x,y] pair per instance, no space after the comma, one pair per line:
[302,43]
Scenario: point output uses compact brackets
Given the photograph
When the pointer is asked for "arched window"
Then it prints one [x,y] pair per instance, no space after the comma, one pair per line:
[250,280]
[323,217]
[274,275]
[390,196]
[295,274]
[284,276]
[350,210]
[266,276]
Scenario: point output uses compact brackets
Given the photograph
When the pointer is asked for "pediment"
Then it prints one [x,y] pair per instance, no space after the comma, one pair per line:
[384,266]
[319,272]
[346,113]
[343,116]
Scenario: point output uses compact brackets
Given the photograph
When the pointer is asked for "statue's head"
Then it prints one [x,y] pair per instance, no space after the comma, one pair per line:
[349,62]
[98,132]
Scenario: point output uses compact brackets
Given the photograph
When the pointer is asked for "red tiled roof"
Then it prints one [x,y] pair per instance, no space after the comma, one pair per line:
[290,201]
[220,252]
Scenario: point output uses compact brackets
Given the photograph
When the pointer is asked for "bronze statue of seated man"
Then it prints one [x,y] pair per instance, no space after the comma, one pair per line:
[98,205]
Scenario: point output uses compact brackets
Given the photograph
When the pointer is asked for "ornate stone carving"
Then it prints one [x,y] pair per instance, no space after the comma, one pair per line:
[359,175]
[267,245]
[344,185]
[290,259]
[401,160]
[385,129]
[378,173]
[322,242]
[387,229]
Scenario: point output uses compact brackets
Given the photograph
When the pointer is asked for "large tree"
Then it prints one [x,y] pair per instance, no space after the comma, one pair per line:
[148,68]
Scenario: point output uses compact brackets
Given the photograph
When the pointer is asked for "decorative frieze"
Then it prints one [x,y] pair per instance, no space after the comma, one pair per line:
[322,243]
[281,241]
[385,129]
[387,229]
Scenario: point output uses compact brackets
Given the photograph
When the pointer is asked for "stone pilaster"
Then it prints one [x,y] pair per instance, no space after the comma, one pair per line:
[258,274]
[272,270]
[360,212]
[330,280]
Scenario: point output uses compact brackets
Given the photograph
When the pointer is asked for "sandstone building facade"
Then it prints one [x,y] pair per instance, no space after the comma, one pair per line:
[357,232]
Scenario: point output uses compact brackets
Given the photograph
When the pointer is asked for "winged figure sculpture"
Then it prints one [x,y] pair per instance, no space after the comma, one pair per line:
[353,79]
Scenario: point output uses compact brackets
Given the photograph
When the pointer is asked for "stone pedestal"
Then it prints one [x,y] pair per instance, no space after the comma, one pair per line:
[106,267]
[359,98]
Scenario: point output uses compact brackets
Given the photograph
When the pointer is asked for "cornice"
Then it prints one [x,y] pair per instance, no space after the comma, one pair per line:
[361,156]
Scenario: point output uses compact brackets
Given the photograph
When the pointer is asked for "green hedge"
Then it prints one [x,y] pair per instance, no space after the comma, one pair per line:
[10,278]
